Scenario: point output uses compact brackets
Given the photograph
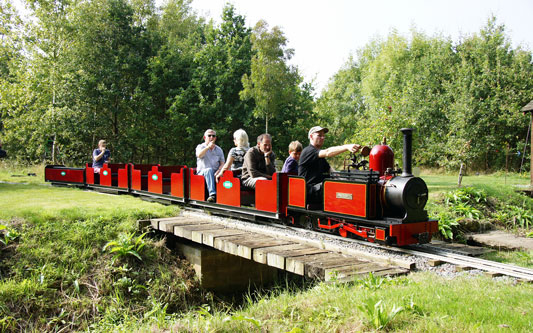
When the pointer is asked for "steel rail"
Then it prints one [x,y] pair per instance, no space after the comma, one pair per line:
[434,253]
[426,251]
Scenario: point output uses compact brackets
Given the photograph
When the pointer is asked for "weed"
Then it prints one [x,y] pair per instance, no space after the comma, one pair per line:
[253,321]
[446,224]
[467,196]
[379,316]
[372,282]
[9,235]
[126,246]
[521,217]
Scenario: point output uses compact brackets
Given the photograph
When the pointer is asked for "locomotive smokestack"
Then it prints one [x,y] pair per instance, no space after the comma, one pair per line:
[407,151]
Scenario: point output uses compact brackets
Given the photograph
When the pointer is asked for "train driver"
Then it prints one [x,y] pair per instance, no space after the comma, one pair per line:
[259,162]
[313,165]
[101,155]
[209,160]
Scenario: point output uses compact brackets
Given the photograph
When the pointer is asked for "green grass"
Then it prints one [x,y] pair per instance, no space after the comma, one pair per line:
[520,258]
[21,173]
[56,276]
[429,304]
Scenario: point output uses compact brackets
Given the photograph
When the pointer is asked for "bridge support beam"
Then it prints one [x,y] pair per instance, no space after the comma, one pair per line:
[225,273]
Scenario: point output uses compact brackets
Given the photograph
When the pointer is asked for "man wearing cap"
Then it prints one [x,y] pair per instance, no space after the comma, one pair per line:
[209,159]
[313,165]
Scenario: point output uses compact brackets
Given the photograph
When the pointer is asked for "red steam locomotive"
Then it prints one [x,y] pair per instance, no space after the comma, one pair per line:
[368,199]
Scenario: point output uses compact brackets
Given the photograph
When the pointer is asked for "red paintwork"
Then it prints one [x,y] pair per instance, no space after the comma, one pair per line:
[266,194]
[356,205]
[404,232]
[110,173]
[106,175]
[89,174]
[123,176]
[139,176]
[381,157]
[328,226]
[197,186]
[343,231]
[178,183]
[297,191]
[155,180]
[229,190]
[380,234]
[71,175]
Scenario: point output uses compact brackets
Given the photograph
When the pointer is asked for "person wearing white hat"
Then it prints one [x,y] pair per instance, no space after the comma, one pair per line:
[313,165]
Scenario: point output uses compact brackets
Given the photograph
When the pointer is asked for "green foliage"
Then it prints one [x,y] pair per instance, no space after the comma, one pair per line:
[462,98]
[379,316]
[272,83]
[447,224]
[516,216]
[58,263]
[8,235]
[126,246]
[466,196]
[148,81]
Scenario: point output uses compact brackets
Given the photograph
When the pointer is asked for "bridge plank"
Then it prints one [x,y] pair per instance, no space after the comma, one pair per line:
[317,269]
[168,226]
[297,264]
[260,254]
[278,258]
[246,249]
[185,231]
[209,236]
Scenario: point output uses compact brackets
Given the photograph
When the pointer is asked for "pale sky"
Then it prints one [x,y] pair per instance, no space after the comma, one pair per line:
[324,33]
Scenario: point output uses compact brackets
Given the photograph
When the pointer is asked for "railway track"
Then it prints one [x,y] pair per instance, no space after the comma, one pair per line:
[427,251]
[465,262]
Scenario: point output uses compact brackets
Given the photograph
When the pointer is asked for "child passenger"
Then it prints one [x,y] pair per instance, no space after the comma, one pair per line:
[236,154]
[291,163]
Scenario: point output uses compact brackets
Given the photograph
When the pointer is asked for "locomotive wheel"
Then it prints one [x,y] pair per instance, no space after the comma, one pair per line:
[306,222]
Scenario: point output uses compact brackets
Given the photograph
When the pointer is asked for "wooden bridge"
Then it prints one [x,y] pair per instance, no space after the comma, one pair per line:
[227,257]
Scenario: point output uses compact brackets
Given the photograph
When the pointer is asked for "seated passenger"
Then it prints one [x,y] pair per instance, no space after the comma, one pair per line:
[259,162]
[236,154]
[101,155]
[209,159]
[291,163]
[313,165]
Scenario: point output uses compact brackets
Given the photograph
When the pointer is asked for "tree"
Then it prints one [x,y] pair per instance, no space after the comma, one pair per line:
[272,82]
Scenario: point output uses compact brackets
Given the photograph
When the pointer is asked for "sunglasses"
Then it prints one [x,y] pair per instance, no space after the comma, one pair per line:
[212,135]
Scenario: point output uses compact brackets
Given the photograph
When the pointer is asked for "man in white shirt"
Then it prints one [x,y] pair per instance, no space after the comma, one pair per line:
[209,159]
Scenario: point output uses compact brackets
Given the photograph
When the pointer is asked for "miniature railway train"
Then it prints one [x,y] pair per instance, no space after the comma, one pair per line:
[378,203]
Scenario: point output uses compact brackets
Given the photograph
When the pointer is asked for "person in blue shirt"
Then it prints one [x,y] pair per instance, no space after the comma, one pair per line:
[209,160]
[101,155]
[291,163]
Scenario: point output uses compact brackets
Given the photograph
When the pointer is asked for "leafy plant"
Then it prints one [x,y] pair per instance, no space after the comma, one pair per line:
[372,282]
[378,315]
[466,195]
[521,217]
[466,210]
[126,246]
[446,224]
[9,235]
